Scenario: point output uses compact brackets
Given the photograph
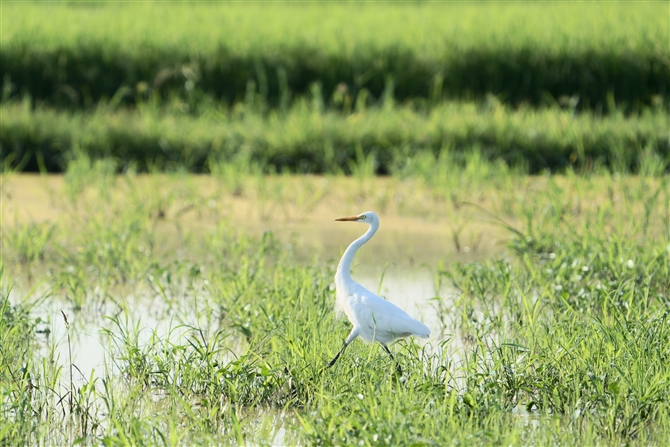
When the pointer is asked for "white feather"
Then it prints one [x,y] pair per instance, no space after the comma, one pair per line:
[373,318]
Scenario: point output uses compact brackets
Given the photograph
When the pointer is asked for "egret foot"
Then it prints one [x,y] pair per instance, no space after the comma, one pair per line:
[397,365]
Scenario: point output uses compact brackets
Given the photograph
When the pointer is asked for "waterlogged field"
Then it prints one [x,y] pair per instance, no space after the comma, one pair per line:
[170,309]
[141,304]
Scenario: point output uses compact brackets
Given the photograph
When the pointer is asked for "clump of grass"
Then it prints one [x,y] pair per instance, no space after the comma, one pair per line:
[83,172]
[27,243]
[574,328]
[28,400]
[234,172]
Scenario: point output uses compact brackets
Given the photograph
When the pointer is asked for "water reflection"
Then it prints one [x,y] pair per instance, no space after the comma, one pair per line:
[93,351]
[92,331]
[411,288]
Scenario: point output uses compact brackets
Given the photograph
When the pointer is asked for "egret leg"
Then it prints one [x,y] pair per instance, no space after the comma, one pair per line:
[397,365]
[337,356]
[352,336]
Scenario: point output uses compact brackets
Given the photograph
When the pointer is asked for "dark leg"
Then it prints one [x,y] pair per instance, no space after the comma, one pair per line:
[337,356]
[389,352]
[397,366]
[352,336]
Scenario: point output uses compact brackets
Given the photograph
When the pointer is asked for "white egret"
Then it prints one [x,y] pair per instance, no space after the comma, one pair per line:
[373,318]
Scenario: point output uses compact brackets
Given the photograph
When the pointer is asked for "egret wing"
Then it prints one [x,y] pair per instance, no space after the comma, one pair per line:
[383,321]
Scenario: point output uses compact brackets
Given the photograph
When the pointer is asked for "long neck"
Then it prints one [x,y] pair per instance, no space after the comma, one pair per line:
[344,267]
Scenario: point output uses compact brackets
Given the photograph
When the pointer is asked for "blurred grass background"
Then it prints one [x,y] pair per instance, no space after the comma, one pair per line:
[93,69]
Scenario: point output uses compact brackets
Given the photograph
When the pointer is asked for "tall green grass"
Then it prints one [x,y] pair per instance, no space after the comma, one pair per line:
[534,53]
[561,340]
[305,139]
[29,393]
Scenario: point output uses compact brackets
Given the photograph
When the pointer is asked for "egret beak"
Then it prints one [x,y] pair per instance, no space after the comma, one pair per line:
[348,219]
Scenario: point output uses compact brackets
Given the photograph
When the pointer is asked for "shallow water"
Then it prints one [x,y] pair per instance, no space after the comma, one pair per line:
[411,289]
[399,263]
[89,344]
[91,350]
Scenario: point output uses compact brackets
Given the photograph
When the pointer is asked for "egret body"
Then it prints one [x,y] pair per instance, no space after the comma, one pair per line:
[373,318]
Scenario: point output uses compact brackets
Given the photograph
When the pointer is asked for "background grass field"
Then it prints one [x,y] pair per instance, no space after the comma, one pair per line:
[230,61]
[306,139]
[524,52]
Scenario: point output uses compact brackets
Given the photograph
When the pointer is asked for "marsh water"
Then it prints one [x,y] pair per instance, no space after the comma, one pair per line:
[401,263]
[413,289]
[87,342]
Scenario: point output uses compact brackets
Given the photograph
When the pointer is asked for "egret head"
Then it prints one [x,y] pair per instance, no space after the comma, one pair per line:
[368,217]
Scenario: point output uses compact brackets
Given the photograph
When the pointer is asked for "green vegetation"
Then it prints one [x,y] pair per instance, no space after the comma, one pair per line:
[27,380]
[563,339]
[532,53]
[306,139]
[143,305]
[318,88]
